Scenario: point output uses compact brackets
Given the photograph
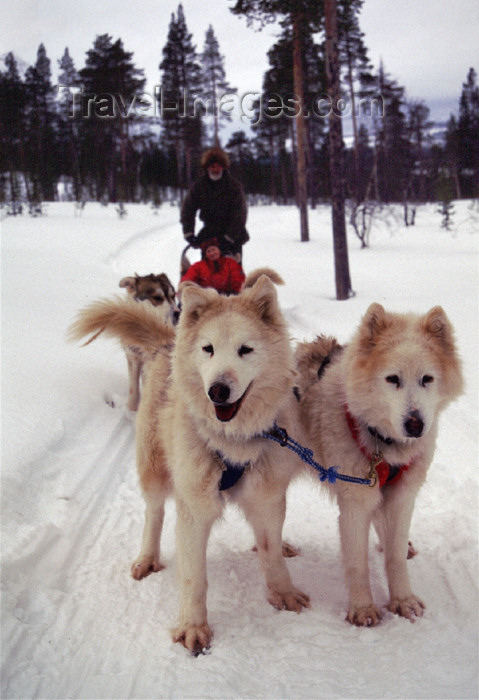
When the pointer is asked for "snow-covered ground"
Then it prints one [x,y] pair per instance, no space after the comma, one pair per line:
[74,623]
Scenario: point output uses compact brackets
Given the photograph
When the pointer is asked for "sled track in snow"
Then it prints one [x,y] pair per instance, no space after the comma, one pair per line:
[89,516]
[133,241]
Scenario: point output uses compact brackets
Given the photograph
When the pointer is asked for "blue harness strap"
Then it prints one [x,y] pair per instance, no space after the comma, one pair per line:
[233,472]
[281,436]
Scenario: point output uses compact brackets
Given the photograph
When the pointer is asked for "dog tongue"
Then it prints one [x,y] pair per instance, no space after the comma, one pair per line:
[226,413]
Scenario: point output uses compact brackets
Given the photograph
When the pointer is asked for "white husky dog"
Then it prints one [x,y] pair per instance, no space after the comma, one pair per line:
[373,407]
[209,394]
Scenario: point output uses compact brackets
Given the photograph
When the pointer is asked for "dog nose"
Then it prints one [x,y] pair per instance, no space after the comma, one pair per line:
[219,392]
[414,424]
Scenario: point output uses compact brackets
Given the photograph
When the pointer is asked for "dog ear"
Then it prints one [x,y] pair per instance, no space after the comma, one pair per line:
[129,282]
[195,300]
[437,325]
[374,323]
[164,282]
[264,300]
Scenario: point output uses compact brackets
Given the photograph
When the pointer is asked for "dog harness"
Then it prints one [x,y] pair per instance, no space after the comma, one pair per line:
[232,472]
[387,473]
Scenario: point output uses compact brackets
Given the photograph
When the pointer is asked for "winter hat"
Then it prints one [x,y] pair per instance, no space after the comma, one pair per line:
[215,155]
[208,243]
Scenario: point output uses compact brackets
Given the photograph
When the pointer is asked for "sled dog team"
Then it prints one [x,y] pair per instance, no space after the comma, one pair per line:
[226,373]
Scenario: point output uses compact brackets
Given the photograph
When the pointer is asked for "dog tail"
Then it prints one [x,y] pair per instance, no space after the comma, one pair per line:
[312,359]
[127,321]
[253,276]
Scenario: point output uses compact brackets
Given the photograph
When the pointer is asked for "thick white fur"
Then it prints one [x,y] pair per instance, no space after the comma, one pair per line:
[385,346]
[179,437]
[112,316]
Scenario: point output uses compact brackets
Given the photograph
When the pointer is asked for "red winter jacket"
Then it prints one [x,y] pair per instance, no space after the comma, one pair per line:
[224,274]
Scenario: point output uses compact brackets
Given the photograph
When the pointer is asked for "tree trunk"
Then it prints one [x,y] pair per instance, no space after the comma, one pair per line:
[341,262]
[272,149]
[302,190]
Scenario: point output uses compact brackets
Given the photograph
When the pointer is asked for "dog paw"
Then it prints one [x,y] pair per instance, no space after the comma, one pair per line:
[196,638]
[291,600]
[364,616]
[288,550]
[410,607]
[144,566]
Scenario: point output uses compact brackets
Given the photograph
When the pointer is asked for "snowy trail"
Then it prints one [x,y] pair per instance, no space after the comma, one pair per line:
[132,247]
[74,622]
[85,503]
[89,630]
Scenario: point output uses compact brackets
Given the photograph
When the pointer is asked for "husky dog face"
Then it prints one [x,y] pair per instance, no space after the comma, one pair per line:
[403,372]
[228,360]
[236,354]
[157,289]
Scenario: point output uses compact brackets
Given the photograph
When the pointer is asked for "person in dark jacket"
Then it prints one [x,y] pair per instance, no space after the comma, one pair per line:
[221,204]
[221,272]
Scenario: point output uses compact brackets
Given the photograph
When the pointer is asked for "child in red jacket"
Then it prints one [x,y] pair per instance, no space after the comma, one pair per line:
[221,272]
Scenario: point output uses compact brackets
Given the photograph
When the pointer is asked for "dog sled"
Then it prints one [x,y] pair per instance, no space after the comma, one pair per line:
[185,263]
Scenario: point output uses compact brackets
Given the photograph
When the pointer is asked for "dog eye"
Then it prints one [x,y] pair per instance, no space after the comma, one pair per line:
[427,379]
[244,350]
[393,379]
[208,349]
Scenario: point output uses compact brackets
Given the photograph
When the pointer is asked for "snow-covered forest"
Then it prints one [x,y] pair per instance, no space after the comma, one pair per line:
[97,131]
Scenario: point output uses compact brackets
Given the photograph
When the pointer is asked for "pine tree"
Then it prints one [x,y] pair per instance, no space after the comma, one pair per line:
[12,130]
[451,153]
[214,81]
[110,83]
[67,78]
[357,72]
[274,119]
[297,16]
[42,131]
[239,149]
[444,193]
[277,121]
[393,148]
[69,136]
[180,107]
[418,128]
[468,135]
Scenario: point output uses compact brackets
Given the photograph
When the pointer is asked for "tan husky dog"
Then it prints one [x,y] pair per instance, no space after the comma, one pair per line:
[374,405]
[209,394]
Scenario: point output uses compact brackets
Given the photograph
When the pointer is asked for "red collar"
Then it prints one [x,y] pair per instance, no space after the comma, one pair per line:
[387,473]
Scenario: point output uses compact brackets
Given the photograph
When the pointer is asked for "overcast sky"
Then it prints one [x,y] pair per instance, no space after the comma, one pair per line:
[426,45]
